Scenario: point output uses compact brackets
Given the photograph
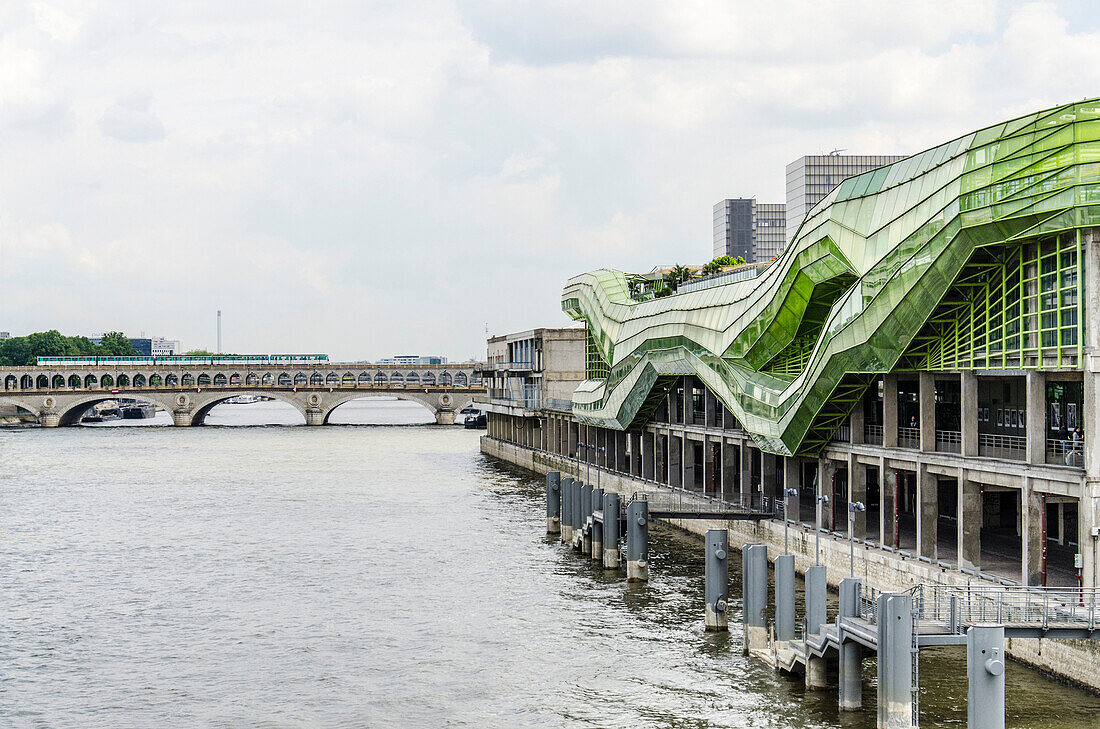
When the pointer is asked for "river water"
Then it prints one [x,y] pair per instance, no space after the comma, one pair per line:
[364,576]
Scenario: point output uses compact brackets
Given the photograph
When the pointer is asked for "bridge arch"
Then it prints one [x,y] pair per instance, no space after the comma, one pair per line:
[139,380]
[70,412]
[11,382]
[203,407]
[434,402]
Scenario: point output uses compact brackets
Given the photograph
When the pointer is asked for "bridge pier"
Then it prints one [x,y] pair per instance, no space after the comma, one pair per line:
[315,416]
[181,418]
[49,419]
[444,417]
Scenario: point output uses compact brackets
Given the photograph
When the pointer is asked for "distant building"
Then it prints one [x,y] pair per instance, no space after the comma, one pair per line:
[811,178]
[754,231]
[528,372]
[413,359]
[5,335]
[162,347]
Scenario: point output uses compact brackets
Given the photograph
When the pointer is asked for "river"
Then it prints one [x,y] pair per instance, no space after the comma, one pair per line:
[383,575]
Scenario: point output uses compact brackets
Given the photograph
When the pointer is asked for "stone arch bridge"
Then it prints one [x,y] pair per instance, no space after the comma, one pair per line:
[60,395]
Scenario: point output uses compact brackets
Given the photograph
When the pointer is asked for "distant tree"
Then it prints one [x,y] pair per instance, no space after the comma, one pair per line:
[721,262]
[198,353]
[676,276]
[22,351]
[115,344]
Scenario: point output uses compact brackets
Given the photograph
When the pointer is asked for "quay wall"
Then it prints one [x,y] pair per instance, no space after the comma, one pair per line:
[1075,661]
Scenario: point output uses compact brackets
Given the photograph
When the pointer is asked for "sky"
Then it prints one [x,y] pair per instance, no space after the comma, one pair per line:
[365,179]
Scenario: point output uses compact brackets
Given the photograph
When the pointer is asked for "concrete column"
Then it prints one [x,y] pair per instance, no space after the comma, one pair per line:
[1036,416]
[180,418]
[596,549]
[689,463]
[611,531]
[1032,506]
[769,476]
[855,423]
[553,502]
[851,653]
[571,440]
[927,421]
[729,469]
[969,522]
[649,456]
[1089,506]
[928,508]
[890,411]
[586,518]
[825,474]
[857,491]
[816,596]
[888,506]
[637,541]
[746,472]
[968,411]
[754,606]
[567,509]
[716,572]
[792,479]
[985,670]
[676,460]
[784,597]
[895,662]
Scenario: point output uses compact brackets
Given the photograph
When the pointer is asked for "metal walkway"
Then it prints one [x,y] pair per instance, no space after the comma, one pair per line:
[687,505]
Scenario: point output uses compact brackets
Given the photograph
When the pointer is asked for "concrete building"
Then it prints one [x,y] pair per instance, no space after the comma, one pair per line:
[811,178]
[754,231]
[928,347]
[529,374]
[5,335]
[413,359]
[161,347]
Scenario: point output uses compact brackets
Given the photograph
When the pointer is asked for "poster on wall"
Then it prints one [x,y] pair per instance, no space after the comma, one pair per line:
[1071,415]
[1055,416]
[1000,418]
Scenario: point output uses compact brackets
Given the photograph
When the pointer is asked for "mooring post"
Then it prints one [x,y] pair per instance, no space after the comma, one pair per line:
[784,597]
[754,597]
[611,531]
[816,594]
[895,661]
[716,579]
[596,552]
[578,513]
[851,653]
[553,502]
[637,541]
[586,519]
[985,670]
[563,533]
[569,495]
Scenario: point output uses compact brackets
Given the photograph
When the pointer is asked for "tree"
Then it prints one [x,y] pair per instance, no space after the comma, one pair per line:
[115,344]
[198,353]
[677,275]
[721,262]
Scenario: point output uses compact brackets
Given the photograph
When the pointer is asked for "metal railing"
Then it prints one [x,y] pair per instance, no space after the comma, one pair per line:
[908,437]
[692,501]
[843,434]
[949,441]
[959,607]
[1066,452]
[872,434]
[1002,446]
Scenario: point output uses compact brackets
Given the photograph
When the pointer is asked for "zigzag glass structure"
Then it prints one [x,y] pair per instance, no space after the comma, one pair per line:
[965,256]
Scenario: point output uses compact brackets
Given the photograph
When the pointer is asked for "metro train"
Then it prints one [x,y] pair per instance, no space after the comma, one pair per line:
[182,359]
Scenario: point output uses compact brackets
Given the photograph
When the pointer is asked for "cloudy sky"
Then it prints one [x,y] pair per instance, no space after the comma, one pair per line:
[368,178]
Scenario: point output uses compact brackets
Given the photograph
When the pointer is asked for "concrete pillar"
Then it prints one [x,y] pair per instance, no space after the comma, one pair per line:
[1032,507]
[969,522]
[689,463]
[784,597]
[928,508]
[52,419]
[816,595]
[855,423]
[754,598]
[985,671]
[745,482]
[825,473]
[586,518]
[927,419]
[553,502]
[890,411]
[596,550]
[675,460]
[895,662]
[851,653]
[611,531]
[792,479]
[1089,506]
[857,491]
[1036,416]
[888,505]
[648,455]
[442,417]
[181,418]
[567,484]
[968,412]
[637,541]
[730,457]
[769,475]
[716,572]
[571,439]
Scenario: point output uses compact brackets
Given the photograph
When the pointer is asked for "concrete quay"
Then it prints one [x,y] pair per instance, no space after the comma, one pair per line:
[1074,661]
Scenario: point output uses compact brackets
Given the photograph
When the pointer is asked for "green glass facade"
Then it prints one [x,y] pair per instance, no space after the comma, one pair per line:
[965,256]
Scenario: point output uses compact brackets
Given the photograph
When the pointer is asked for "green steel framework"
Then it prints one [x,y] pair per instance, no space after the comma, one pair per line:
[965,256]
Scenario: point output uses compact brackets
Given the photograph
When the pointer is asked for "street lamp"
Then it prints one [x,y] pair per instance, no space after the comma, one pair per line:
[588,470]
[853,507]
[787,494]
[599,450]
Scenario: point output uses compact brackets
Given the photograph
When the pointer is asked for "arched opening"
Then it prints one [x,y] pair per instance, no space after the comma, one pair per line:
[445,379]
[204,379]
[332,380]
[219,380]
[315,379]
[155,381]
[58,382]
[475,380]
[114,410]
[428,379]
[380,379]
[74,381]
[233,410]
[397,380]
[122,381]
[252,379]
[412,379]
[91,381]
[10,382]
[139,380]
[42,382]
[26,382]
[235,378]
[188,380]
[268,379]
[171,381]
[301,379]
[460,379]
[364,378]
[381,410]
[348,380]
[107,381]
[284,380]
